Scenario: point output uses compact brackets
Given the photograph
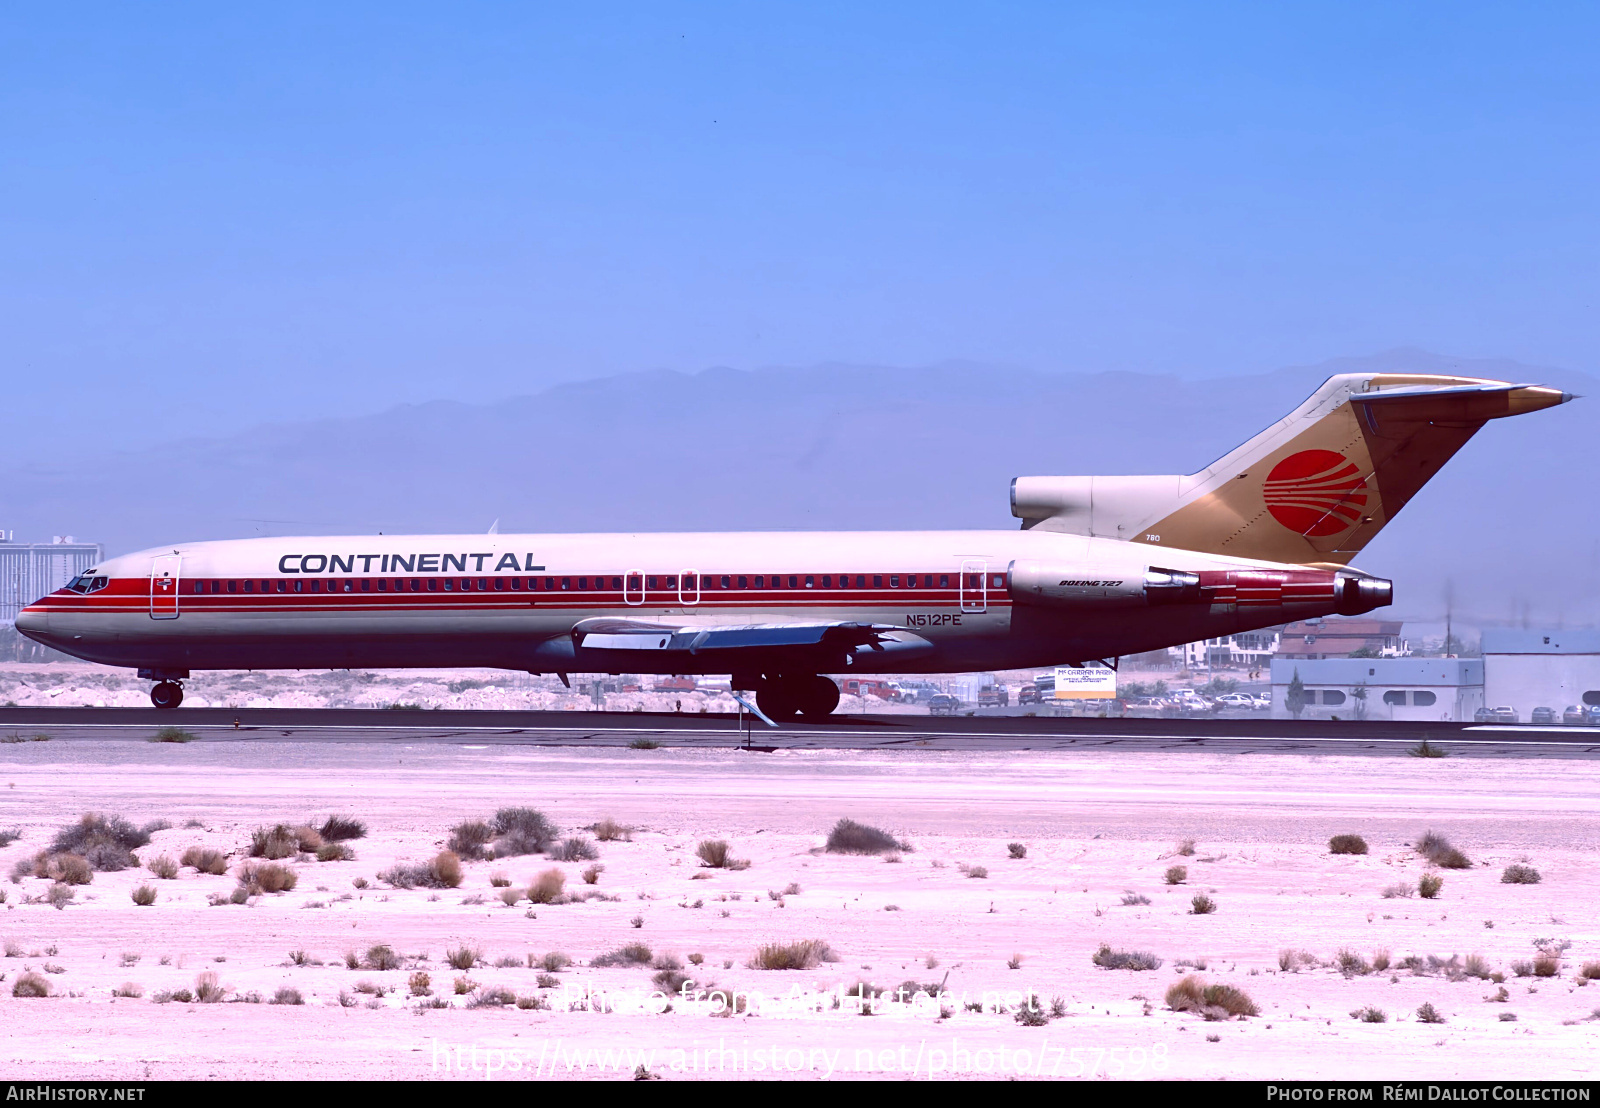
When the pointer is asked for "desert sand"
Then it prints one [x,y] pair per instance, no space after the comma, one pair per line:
[1097,828]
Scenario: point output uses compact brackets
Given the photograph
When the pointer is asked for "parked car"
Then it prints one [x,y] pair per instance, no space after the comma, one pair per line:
[1594,715]
[1575,716]
[1504,714]
[994,696]
[1543,715]
[1237,701]
[1028,694]
[943,704]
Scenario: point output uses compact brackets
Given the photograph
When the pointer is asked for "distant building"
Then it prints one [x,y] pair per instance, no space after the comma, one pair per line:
[1399,689]
[31,570]
[1541,669]
[1247,649]
[1340,638]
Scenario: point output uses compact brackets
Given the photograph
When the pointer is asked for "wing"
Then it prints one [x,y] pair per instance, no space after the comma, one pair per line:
[823,647]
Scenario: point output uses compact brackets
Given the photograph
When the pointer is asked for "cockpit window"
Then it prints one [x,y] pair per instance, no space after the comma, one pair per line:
[87,583]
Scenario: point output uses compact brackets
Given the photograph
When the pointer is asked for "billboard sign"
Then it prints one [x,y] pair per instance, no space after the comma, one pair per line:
[1086,683]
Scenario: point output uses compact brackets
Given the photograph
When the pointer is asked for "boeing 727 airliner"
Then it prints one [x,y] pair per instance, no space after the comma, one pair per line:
[1101,567]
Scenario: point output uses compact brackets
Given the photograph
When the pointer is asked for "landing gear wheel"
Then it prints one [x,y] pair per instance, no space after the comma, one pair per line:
[818,697]
[776,699]
[168,694]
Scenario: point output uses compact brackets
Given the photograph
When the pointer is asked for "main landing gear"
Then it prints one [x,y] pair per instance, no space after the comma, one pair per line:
[167,694]
[786,695]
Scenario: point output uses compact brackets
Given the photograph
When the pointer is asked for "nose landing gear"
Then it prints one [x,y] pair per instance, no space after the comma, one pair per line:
[167,694]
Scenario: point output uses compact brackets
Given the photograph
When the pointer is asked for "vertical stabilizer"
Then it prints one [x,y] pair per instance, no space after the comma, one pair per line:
[1315,487]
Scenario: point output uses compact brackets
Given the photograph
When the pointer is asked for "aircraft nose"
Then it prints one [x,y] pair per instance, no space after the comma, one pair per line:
[34,622]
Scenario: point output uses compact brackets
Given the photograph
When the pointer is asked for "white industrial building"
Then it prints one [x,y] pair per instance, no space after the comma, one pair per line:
[1541,669]
[1423,690]
[31,570]
[1246,649]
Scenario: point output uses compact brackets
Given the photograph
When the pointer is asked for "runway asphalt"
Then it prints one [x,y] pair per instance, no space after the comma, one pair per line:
[22,725]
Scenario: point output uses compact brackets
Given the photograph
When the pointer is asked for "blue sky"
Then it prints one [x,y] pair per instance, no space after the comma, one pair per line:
[212,216]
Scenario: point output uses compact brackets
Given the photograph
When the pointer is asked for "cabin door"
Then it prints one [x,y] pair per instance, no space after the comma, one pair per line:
[164,578]
[974,585]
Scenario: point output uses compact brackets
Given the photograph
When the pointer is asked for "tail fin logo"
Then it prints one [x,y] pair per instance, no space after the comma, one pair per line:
[1316,493]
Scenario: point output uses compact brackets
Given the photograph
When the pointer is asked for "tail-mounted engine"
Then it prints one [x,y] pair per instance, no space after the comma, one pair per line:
[1302,592]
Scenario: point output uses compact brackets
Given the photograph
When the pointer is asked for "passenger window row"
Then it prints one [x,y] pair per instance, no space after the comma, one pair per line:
[632,584]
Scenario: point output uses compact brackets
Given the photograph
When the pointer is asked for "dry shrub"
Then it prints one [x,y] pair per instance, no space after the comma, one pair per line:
[850,837]
[510,897]
[555,962]
[30,984]
[105,842]
[803,954]
[669,980]
[287,995]
[1186,848]
[207,989]
[528,1003]
[713,853]
[1131,900]
[1017,850]
[335,852]
[381,957]
[1347,844]
[1202,905]
[1546,965]
[976,871]
[591,875]
[420,984]
[1519,874]
[444,872]
[1429,1014]
[1476,966]
[499,881]
[129,989]
[1437,849]
[1352,964]
[1370,1014]
[274,843]
[609,830]
[1429,885]
[1290,960]
[267,877]
[69,869]
[144,895]
[471,838]
[463,957]
[522,831]
[206,860]
[1213,1002]
[1106,958]
[1398,889]
[59,895]
[336,829]
[1176,875]
[633,954]
[547,887]
[162,867]
[576,849]
[1590,971]
[497,996]
[1380,961]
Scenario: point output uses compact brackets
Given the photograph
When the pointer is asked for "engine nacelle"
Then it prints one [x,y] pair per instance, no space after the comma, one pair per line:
[1068,585]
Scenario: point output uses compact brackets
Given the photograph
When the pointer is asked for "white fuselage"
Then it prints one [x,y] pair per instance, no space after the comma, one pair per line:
[942,600]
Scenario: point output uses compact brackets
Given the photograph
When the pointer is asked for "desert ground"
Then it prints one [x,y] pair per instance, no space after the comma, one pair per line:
[978,963]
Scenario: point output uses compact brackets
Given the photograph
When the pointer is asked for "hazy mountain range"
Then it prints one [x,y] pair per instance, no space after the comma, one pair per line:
[1509,526]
